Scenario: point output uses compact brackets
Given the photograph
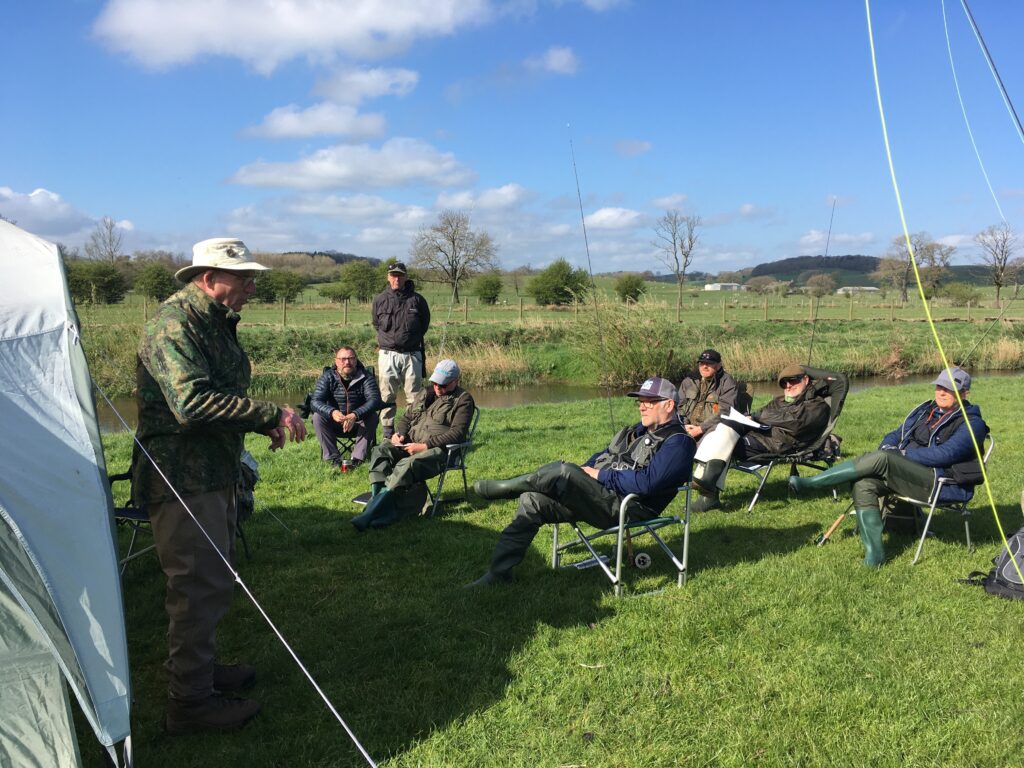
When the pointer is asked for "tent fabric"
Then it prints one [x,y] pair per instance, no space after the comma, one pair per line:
[58,557]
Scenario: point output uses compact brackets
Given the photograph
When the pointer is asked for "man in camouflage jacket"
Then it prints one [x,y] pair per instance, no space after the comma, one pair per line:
[439,416]
[192,377]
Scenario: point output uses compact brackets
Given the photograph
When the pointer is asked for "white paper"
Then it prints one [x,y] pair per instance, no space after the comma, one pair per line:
[738,418]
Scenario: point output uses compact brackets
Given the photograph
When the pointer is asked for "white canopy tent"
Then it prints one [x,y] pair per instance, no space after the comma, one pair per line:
[61,611]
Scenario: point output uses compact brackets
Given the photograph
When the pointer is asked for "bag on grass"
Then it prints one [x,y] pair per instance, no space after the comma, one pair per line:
[1003,580]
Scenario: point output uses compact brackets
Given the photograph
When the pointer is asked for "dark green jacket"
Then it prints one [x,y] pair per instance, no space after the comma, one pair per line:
[438,421]
[191,378]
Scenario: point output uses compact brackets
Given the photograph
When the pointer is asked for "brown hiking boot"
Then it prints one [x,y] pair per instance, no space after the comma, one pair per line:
[214,713]
[228,678]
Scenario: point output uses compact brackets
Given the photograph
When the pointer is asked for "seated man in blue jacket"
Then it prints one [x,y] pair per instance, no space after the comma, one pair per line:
[651,458]
[934,441]
[345,403]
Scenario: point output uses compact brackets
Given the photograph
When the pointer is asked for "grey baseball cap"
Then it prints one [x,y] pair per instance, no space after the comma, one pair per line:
[961,379]
[445,372]
[663,389]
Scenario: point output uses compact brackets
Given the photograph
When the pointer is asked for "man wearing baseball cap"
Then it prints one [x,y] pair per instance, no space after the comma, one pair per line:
[933,441]
[192,381]
[706,394]
[416,452]
[651,458]
[401,318]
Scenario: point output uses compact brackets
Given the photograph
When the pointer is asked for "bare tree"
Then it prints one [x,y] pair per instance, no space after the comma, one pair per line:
[676,238]
[998,244]
[452,251]
[820,284]
[105,241]
[932,258]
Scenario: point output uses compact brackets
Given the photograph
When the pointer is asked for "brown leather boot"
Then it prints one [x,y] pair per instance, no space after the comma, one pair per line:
[228,678]
[214,713]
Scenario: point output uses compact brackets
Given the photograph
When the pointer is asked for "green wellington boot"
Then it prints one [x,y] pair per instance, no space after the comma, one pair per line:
[840,474]
[502,489]
[379,504]
[869,523]
[376,488]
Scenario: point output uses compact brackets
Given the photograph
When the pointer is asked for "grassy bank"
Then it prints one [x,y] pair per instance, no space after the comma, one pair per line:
[775,653]
[615,346]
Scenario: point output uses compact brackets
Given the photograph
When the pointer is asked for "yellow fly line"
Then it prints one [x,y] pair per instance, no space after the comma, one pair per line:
[920,287]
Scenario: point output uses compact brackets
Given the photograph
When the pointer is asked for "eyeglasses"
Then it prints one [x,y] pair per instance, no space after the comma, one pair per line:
[792,381]
[644,404]
[345,359]
[247,281]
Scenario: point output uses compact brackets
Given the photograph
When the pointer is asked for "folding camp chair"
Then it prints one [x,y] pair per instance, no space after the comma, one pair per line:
[344,442]
[456,460]
[136,519]
[625,532]
[822,453]
[890,503]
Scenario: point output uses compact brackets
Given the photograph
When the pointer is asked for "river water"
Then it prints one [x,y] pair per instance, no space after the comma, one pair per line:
[528,395]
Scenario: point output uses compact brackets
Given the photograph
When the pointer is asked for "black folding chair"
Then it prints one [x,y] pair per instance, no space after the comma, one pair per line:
[821,453]
[455,460]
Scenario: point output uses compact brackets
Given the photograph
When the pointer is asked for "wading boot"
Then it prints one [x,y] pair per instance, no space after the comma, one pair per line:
[706,476]
[378,505]
[376,488]
[704,503]
[214,713]
[489,579]
[869,523]
[840,474]
[502,489]
[228,678]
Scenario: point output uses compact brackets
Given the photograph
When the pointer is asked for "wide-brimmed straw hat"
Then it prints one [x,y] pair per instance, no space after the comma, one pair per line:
[219,253]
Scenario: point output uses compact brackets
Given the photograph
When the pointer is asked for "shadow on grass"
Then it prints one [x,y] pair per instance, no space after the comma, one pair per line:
[380,620]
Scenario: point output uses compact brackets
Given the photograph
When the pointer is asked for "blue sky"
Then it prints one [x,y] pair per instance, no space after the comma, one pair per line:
[309,124]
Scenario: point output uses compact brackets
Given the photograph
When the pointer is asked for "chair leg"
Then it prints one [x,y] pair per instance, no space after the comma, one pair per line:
[681,580]
[924,534]
[437,494]
[967,529]
[245,544]
[760,487]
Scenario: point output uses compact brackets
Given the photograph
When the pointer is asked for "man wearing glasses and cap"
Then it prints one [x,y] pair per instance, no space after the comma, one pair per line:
[933,441]
[651,458]
[440,416]
[192,381]
[788,422]
[401,318]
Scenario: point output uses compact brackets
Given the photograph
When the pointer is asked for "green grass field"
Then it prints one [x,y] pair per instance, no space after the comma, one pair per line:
[776,653]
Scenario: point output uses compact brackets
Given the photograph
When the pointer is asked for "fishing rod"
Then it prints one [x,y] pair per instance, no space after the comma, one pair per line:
[593,283]
[814,317]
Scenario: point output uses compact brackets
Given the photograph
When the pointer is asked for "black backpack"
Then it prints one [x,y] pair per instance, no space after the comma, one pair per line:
[1003,580]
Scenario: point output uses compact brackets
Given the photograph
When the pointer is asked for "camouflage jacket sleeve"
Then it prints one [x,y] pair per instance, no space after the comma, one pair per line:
[201,382]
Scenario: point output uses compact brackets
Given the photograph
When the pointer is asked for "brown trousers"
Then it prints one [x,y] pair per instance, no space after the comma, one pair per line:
[199,585]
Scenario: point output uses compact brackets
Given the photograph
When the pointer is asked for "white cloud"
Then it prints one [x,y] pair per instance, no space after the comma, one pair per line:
[351,208]
[498,198]
[614,218]
[817,238]
[602,5]
[632,147]
[43,213]
[353,86]
[323,119]
[398,162]
[956,240]
[669,201]
[265,33]
[557,60]
[751,211]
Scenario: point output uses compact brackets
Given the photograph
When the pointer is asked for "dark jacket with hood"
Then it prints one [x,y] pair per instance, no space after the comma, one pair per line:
[944,444]
[721,396]
[359,395]
[793,425]
[401,318]
[438,421]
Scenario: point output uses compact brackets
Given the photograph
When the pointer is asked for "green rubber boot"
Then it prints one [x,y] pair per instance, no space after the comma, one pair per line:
[840,474]
[502,489]
[381,503]
[869,523]
[376,488]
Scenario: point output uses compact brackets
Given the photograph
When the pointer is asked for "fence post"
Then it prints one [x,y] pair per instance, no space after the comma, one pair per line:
[284,313]
[723,308]
[968,310]
[465,312]
[810,310]
[766,307]
[520,309]
[849,314]
[344,305]
[892,311]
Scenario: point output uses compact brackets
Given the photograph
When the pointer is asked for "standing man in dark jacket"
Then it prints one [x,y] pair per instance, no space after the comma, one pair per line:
[934,441]
[345,402]
[651,458]
[192,376]
[401,318]
[790,421]
[440,416]
[706,395]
